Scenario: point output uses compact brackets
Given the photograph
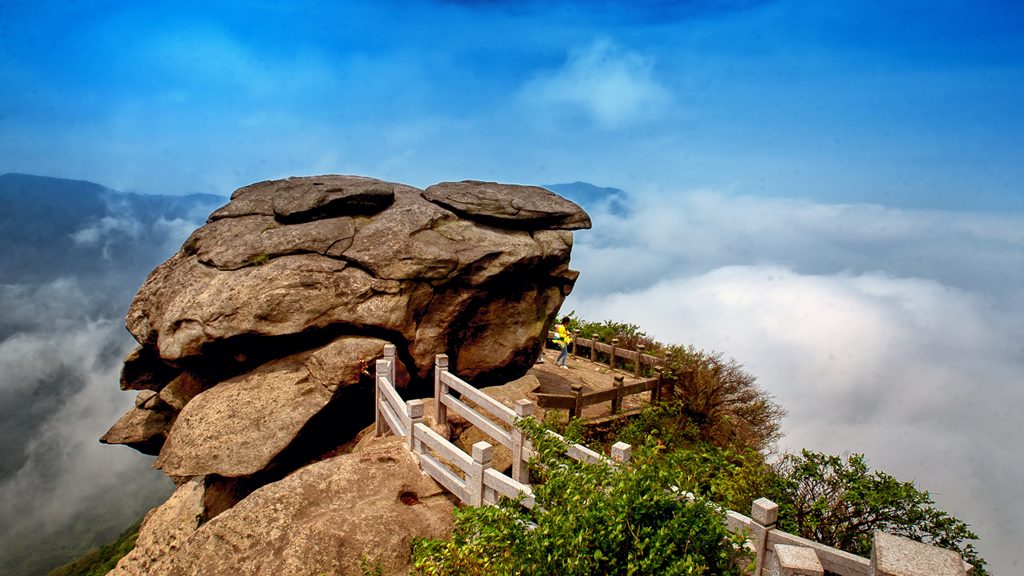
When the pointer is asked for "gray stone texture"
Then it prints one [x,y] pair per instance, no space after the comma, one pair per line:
[898,556]
[509,205]
[237,427]
[795,561]
[764,512]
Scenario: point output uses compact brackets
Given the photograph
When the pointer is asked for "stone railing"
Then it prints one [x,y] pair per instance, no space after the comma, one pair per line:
[577,401]
[476,483]
[473,481]
[782,554]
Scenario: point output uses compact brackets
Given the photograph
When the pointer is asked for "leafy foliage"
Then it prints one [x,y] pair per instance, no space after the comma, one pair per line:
[589,519]
[715,397]
[725,403]
[840,503]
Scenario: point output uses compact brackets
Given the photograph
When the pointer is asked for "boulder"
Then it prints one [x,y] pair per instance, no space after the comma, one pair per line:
[321,519]
[234,243]
[181,390]
[239,426]
[146,399]
[258,341]
[437,275]
[145,430]
[521,207]
[297,200]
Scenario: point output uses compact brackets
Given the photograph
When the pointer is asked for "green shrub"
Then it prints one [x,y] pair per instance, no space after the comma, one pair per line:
[589,519]
[840,503]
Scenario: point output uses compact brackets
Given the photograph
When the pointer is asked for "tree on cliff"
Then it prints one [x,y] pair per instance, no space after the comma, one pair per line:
[840,503]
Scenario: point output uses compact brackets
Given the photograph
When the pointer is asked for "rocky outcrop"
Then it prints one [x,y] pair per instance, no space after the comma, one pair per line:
[321,519]
[237,427]
[520,207]
[258,338]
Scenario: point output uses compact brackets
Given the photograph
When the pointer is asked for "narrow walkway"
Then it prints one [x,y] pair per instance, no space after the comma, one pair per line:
[593,376]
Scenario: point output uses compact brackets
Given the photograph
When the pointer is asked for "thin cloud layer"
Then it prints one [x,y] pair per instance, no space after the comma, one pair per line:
[671,234]
[59,361]
[883,332]
[612,86]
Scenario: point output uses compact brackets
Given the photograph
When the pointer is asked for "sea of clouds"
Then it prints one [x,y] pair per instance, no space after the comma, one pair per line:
[62,341]
[894,333]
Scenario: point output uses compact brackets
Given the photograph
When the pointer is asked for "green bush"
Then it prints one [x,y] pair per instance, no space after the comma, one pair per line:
[840,503]
[589,519]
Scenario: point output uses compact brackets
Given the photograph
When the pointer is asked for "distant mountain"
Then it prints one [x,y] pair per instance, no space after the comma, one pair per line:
[52,227]
[590,197]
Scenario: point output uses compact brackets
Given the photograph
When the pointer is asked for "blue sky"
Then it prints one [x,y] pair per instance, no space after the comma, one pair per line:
[831,192]
[906,104]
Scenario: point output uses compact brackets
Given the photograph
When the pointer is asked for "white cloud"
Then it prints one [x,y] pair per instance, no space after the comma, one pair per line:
[611,85]
[892,333]
[669,234]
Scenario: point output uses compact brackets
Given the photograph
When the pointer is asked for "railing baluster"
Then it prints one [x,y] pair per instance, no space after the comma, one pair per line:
[440,389]
[483,453]
[520,471]
[414,408]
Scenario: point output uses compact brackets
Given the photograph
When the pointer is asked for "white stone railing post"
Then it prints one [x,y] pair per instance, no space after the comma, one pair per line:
[440,390]
[794,561]
[389,355]
[621,452]
[763,513]
[520,470]
[414,409]
[378,418]
[483,453]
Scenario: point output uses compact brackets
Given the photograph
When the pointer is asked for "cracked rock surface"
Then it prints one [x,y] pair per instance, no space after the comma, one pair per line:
[257,340]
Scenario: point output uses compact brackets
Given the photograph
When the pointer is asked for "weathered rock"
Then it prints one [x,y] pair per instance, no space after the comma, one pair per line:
[237,427]
[164,531]
[145,430]
[417,270]
[304,199]
[144,370]
[144,397]
[509,205]
[181,390]
[189,304]
[233,243]
[321,519]
[258,341]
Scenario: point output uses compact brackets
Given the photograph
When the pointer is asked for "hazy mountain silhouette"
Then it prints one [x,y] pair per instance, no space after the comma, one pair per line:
[594,198]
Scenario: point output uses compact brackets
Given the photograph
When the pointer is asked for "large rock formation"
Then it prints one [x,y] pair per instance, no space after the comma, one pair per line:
[258,338]
[320,520]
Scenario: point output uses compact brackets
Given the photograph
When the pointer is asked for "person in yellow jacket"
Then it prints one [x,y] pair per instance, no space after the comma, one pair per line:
[562,339]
